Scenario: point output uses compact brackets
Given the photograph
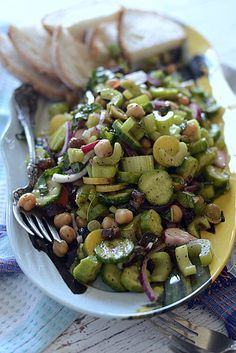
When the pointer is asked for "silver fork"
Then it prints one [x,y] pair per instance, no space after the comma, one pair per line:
[188,337]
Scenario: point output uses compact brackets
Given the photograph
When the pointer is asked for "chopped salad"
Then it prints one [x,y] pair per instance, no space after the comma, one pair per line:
[129,176]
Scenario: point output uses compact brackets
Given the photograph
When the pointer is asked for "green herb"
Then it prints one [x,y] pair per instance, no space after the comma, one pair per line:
[100,75]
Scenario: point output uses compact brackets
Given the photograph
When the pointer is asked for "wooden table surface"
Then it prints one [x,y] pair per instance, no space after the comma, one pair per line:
[216,20]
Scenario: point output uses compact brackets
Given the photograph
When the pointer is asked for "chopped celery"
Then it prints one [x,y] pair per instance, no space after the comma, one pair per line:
[201,248]
[114,96]
[137,164]
[141,100]
[75,155]
[99,171]
[111,160]
[131,87]
[184,264]
[162,92]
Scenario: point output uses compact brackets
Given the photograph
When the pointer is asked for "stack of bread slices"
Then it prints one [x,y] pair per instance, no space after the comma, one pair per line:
[58,55]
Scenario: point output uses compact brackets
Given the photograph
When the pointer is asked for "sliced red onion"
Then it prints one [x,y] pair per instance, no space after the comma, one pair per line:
[145,282]
[196,111]
[177,236]
[149,246]
[138,77]
[70,178]
[153,81]
[67,139]
[195,186]
[221,159]
[101,120]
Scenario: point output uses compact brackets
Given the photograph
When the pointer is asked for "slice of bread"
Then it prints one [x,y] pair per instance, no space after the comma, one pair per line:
[45,85]
[143,34]
[103,37]
[71,59]
[82,16]
[33,45]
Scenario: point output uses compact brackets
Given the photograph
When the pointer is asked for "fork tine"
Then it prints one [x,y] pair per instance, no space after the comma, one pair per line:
[19,219]
[53,231]
[32,225]
[43,229]
[187,346]
[176,329]
[184,323]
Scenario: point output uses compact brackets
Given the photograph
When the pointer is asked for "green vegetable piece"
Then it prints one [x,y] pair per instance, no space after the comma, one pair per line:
[149,124]
[162,92]
[163,266]
[198,224]
[137,131]
[128,177]
[126,137]
[137,164]
[188,168]
[151,223]
[82,194]
[164,123]
[206,158]
[114,96]
[96,211]
[130,279]
[184,264]
[113,159]
[157,186]
[176,287]
[131,87]
[116,112]
[132,230]
[111,275]
[56,140]
[208,192]
[142,100]
[87,270]
[201,248]
[46,190]
[219,178]
[186,199]
[215,132]
[75,155]
[115,198]
[128,124]
[58,108]
[98,171]
[114,251]
[198,146]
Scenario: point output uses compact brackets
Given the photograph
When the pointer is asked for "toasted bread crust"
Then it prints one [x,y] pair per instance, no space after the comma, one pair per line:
[13,63]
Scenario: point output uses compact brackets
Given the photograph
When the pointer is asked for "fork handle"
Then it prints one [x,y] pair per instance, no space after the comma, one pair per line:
[24,118]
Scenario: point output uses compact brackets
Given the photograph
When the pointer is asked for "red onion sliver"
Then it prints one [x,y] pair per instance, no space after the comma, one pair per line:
[196,111]
[145,283]
[221,159]
[101,120]
[89,147]
[67,139]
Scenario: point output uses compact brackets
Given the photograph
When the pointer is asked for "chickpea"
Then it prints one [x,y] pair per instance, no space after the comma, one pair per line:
[135,110]
[109,222]
[213,212]
[67,233]
[171,68]
[103,148]
[62,219]
[27,201]
[81,222]
[60,248]
[183,99]
[176,213]
[123,216]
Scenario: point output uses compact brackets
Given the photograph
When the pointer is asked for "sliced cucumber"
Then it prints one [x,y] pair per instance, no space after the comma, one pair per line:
[131,231]
[96,211]
[130,279]
[163,266]
[128,177]
[111,275]
[137,164]
[169,152]
[114,251]
[110,188]
[126,137]
[150,222]
[157,186]
[198,224]
[176,287]
[206,158]
[217,176]
[46,190]
[115,198]
[201,248]
[87,270]
[198,146]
